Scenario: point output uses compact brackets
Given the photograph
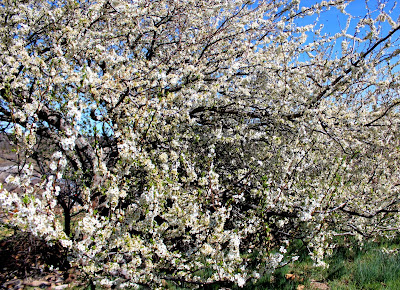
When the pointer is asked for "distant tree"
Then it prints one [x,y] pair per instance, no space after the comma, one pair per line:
[180,138]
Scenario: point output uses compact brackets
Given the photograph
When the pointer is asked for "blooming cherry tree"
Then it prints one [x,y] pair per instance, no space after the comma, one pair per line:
[184,136]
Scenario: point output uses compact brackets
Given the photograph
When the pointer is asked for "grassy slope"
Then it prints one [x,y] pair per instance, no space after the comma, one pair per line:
[376,265]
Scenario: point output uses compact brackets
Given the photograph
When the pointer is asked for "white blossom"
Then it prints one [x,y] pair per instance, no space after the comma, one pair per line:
[182,136]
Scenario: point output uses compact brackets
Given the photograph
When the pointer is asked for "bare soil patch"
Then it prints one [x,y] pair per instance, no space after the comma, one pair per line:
[26,261]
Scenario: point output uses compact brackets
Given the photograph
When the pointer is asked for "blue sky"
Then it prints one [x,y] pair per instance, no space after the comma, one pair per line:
[333,20]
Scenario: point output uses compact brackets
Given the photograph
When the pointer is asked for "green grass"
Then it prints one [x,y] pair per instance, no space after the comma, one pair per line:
[275,281]
[377,269]
[374,266]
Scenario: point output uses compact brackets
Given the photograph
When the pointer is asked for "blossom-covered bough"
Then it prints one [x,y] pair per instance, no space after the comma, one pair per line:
[193,141]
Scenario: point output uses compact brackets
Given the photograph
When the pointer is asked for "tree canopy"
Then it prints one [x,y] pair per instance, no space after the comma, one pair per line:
[177,137]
